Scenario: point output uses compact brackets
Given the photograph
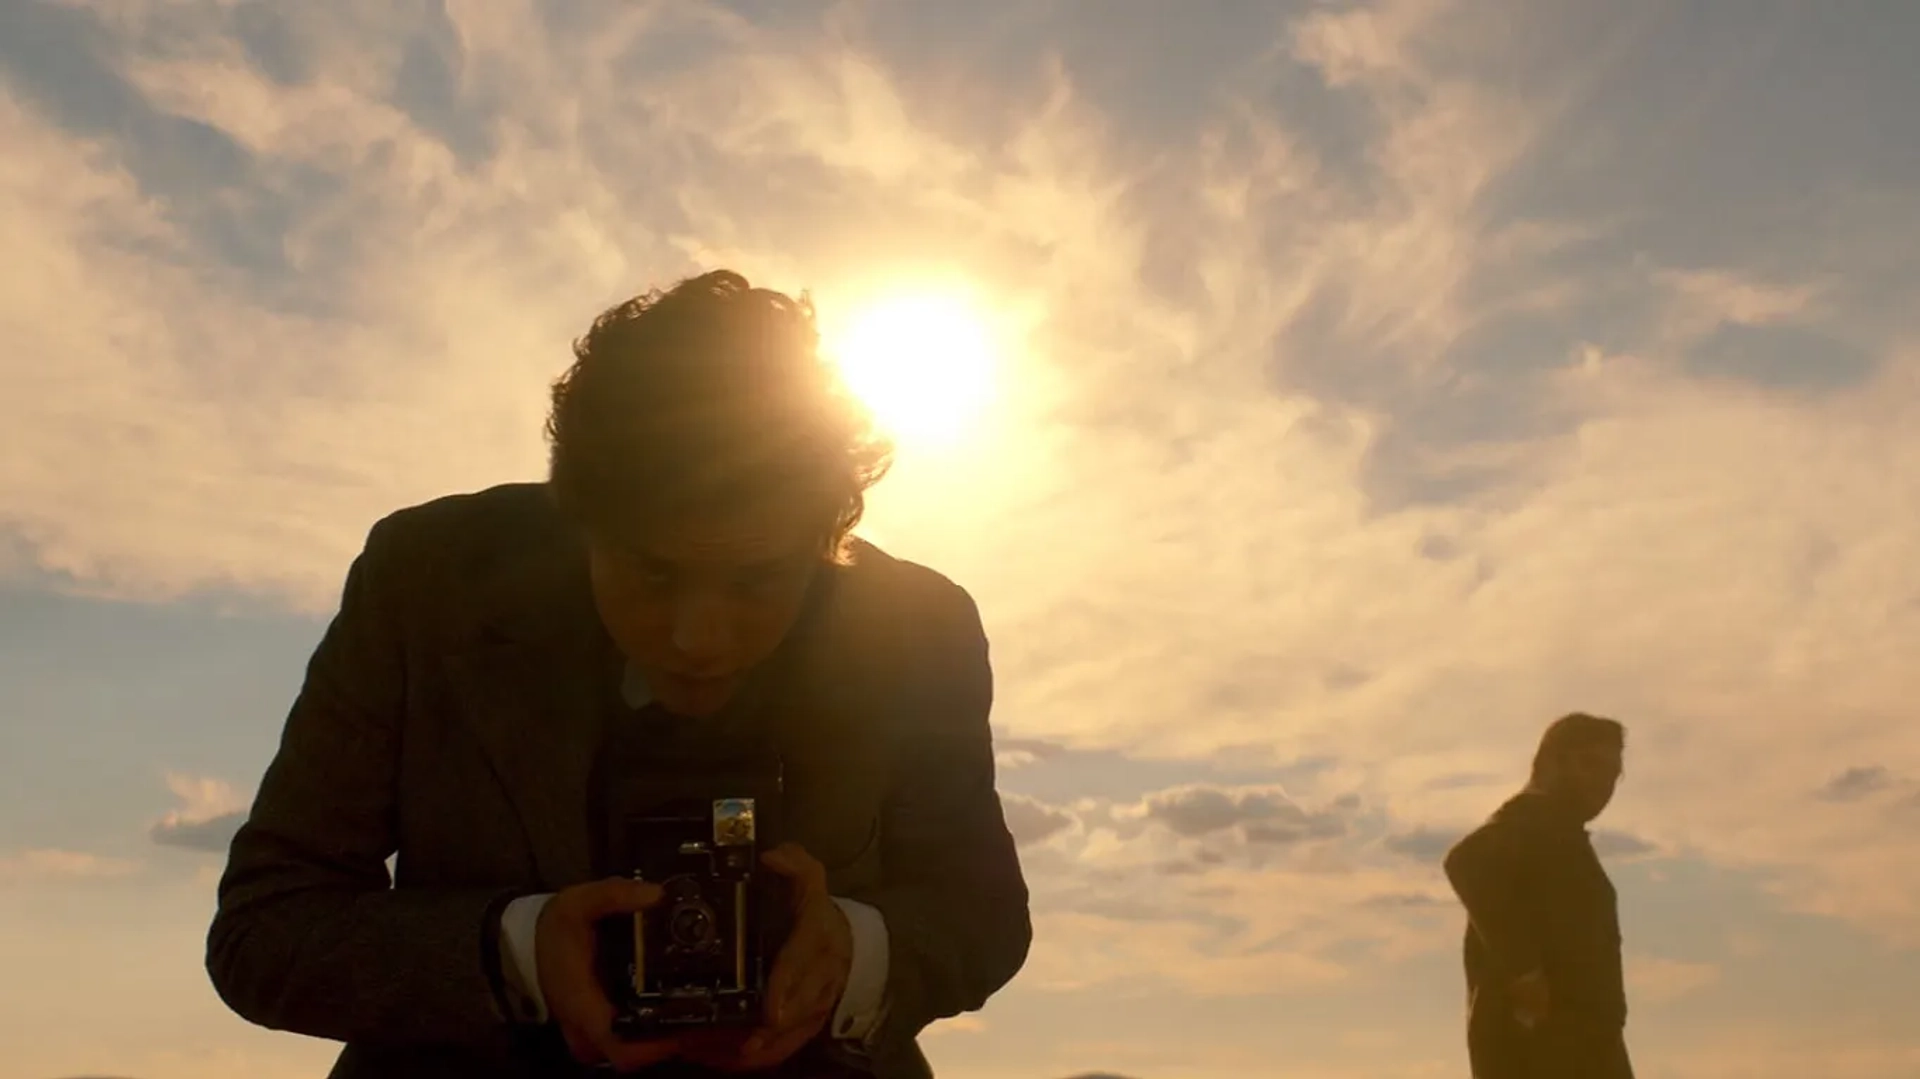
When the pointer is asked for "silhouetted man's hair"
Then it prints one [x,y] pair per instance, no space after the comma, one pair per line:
[708,394]
[1572,733]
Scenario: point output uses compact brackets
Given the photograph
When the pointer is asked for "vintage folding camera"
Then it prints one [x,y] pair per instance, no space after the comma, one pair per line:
[699,958]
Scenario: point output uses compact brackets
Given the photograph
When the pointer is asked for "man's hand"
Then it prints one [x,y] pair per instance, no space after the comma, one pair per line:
[1531,1001]
[809,974]
[564,951]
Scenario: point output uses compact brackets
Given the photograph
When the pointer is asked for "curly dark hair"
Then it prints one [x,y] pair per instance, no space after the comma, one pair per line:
[704,394]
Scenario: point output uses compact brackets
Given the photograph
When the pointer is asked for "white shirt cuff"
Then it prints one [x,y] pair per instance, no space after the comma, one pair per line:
[519,965]
[863,1004]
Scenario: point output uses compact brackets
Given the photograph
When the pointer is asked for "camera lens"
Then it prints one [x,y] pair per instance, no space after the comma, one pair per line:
[691,925]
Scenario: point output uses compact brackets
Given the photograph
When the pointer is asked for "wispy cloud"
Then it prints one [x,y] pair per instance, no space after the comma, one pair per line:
[210,812]
[1259,891]
[1031,821]
[1857,782]
[39,866]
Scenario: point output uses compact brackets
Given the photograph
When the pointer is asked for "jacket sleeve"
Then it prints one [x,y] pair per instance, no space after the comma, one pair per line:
[308,935]
[954,896]
[1489,871]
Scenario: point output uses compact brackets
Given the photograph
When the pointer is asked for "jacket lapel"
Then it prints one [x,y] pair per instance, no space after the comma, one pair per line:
[826,725]
[535,689]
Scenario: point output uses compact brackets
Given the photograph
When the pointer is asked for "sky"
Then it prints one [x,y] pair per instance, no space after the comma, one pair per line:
[1371,383]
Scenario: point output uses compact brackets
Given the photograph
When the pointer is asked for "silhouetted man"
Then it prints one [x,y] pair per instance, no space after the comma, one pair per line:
[683,578]
[1545,991]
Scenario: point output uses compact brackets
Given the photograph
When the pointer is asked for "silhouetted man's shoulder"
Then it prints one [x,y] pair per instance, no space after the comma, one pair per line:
[475,523]
[466,535]
[874,570]
[1526,810]
[1518,822]
[1538,814]
[446,564]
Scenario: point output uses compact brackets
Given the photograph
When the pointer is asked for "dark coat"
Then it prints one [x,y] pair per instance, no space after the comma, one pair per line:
[1537,898]
[449,716]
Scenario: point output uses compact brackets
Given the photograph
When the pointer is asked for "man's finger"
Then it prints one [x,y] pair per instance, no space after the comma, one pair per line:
[769,1047]
[588,1023]
[616,895]
[813,995]
[805,1006]
[599,1036]
[791,860]
[780,984]
[627,1056]
[580,1047]
[799,957]
[752,1047]
[784,1008]
[716,1048]
[784,858]
[612,1049]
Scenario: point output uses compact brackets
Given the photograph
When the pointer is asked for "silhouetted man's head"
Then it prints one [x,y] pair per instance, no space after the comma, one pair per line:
[714,462]
[1580,760]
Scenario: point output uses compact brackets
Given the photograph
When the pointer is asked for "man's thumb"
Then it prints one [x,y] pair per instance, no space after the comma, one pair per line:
[783,859]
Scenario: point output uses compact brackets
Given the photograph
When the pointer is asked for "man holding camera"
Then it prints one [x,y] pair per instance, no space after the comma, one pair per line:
[685,577]
[1546,994]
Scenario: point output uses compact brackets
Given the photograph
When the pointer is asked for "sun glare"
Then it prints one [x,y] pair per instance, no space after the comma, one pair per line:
[924,363]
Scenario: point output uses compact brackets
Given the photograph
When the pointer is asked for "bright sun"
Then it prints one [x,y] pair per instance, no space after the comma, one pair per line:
[924,363]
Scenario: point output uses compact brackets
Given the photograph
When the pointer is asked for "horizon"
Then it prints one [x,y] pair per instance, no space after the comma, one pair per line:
[1317,398]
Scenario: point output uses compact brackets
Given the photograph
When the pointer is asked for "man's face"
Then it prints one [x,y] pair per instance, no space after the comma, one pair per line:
[696,605]
[1593,772]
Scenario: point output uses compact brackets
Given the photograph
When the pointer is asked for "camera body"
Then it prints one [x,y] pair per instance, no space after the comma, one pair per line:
[699,958]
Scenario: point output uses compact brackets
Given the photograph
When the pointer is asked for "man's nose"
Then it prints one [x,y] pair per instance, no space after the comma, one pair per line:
[701,630]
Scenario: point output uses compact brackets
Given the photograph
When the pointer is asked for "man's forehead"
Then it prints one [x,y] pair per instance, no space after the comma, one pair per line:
[753,532]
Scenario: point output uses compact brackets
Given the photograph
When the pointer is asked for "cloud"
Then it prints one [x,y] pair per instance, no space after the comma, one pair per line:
[211,811]
[1608,843]
[1018,752]
[1031,821]
[1423,844]
[1857,782]
[1407,901]
[966,1023]
[47,865]
[210,836]
[1781,358]
[1701,302]
[1258,890]
[1265,816]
